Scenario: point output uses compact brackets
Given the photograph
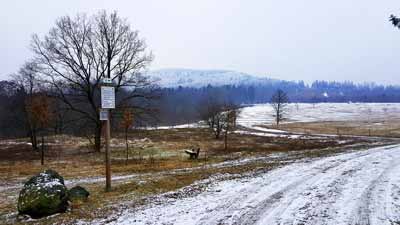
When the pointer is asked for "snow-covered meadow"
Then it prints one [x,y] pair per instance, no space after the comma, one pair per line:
[262,114]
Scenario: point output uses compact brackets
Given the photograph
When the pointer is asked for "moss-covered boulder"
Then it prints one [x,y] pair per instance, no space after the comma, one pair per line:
[78,193]
[43,195]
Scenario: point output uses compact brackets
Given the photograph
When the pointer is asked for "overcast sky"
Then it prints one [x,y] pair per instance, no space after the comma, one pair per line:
[296,39]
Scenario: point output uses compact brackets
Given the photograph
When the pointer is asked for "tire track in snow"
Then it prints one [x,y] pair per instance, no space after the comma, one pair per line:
[274,201]
[308,189]
[254,207]
[333,196]
[378,199]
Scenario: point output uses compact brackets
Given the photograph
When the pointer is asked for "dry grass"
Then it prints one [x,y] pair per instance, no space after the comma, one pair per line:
[363,128]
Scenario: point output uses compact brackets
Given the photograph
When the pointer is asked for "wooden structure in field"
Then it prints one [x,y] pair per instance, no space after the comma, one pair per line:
[193,153]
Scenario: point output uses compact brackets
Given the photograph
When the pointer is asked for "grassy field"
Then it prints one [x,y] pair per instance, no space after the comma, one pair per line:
[388,128]
[157,164]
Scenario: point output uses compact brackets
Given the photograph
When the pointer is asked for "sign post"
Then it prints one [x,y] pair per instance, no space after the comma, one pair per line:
[107,103]
[103,114]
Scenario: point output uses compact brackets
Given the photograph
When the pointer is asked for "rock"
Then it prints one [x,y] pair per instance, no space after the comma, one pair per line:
[43,195]
[78,193]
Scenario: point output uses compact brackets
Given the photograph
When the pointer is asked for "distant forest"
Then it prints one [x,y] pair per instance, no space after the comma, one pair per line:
[181,105]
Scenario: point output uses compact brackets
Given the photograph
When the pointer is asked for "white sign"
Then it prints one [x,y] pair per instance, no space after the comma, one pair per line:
[103,114]
[107,97]
[107,81]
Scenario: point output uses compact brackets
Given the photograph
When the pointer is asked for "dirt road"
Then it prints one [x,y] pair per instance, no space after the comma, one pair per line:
[352,188]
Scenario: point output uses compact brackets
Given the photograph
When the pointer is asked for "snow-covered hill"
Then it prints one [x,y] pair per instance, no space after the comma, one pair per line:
[173,78]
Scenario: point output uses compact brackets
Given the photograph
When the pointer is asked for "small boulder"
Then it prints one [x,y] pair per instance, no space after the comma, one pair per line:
[43,195]
[78,193]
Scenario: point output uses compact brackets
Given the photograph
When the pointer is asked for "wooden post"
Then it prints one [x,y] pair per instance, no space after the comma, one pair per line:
[108,159]
[107,103]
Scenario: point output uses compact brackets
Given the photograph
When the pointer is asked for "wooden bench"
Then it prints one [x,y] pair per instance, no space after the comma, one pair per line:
[193,154]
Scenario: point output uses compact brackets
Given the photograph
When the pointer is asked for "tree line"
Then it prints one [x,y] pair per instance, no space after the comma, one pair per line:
[58,90]
[154,106]
[181,105]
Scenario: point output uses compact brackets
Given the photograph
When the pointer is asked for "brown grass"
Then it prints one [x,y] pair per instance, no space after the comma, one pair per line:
[387,128]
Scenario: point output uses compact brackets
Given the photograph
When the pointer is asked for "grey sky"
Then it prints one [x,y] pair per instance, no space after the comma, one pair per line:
[296,39]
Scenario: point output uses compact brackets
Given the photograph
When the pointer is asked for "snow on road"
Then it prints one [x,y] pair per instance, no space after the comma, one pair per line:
[354,188]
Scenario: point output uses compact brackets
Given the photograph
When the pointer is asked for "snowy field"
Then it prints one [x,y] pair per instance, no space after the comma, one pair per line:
[353,188]
[262,114]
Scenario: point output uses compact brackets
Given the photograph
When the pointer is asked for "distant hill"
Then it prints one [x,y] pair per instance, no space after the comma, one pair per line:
[173,78]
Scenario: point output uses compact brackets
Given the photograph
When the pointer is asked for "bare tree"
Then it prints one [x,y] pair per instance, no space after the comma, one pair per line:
[220,117]
[79,52]
[210,112]
[229,117]
[40,113]
[126,124]
[279,102]
[27,80]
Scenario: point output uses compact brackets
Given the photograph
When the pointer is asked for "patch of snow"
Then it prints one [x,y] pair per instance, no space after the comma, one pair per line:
[268,130]
[181,126]
[262,134]
[8,142]
[282,135]
[51,184]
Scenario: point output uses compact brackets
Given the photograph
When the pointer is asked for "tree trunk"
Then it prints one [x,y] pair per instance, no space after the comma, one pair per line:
[42,152]
[217,133]
[226,140]
[33,137]
[278,114]
[127,147]
[217,130]
[97,138]
[277,120]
